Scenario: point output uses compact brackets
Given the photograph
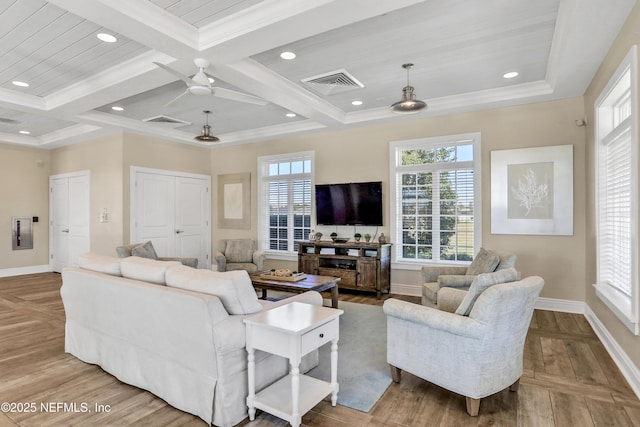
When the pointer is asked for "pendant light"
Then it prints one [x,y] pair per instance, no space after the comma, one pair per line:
[206,131]
[408,104]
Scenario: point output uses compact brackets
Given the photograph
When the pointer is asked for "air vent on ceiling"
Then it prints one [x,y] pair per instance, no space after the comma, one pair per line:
[166,120]
[9,121]
[337,81]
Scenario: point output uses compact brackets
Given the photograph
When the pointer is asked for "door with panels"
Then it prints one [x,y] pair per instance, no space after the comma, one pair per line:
[172,210]
[69,231]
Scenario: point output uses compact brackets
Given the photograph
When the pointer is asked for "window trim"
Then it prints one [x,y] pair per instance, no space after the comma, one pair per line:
[395,147]
[625,308]
[262,164]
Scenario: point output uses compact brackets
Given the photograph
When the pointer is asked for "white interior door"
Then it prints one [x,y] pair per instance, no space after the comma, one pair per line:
[172,210]
[191,218]
[69,230]
[154,221]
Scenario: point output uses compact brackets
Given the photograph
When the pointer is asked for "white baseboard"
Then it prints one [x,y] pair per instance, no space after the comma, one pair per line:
[562,305]
[21,271]
[402,289]
[629,370]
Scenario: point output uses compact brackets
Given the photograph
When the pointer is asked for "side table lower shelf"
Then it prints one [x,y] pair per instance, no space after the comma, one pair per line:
[276,399]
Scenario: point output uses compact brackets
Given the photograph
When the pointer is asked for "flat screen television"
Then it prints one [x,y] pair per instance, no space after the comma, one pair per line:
[356,203]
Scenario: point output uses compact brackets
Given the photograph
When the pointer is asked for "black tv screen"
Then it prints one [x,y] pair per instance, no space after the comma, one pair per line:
[358,203]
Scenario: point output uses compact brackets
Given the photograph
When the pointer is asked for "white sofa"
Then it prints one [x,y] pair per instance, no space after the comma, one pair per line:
[183,346]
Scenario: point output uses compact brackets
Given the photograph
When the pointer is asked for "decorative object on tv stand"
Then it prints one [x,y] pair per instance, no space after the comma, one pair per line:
[367,237]
[312,235]
[382,239]
[357,237]
[408,104]
[333,236]
[318,235]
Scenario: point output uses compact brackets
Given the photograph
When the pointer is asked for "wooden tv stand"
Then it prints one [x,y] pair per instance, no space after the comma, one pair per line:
[359,265]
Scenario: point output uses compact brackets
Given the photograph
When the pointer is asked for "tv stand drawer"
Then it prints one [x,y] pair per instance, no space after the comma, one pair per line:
[347,277]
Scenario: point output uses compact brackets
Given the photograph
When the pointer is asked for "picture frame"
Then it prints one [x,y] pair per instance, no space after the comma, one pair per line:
[532,191]
[234,200]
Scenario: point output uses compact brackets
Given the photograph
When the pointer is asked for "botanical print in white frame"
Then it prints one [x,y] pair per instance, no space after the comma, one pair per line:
[532,191]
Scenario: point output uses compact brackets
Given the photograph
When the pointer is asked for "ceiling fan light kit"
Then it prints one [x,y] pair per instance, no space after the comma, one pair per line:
[408,104]
[206,136]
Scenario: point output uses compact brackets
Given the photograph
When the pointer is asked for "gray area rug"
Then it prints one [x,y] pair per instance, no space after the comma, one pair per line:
[363,372]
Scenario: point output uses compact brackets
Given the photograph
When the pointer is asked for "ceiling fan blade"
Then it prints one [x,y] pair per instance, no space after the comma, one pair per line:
[176,98]
[179,75]
[237,96]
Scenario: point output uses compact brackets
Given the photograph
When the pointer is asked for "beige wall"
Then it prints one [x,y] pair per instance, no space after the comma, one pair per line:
[363,154]
[24,192]
[627,37]
[102,157]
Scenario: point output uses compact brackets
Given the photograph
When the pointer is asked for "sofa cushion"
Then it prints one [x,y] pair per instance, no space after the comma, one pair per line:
[239,250]
[480,284]
[455,281]
[484,262]
[147,270]
[100,263]
[145,250]
[234,288]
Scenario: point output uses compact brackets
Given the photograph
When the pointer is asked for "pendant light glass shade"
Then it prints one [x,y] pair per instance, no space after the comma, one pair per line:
[206,136]
[408,104]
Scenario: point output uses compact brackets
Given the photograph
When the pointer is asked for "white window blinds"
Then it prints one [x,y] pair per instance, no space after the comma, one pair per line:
[285,200]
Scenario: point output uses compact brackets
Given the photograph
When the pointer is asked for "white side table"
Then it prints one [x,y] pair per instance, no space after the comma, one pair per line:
[291,331]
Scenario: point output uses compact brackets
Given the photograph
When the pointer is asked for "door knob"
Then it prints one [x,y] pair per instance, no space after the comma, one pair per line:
[178,231]
[66,230]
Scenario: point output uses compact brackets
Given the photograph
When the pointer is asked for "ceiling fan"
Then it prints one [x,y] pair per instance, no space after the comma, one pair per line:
[200,84]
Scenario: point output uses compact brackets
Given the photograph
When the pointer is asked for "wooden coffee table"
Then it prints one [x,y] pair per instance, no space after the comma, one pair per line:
[312,282]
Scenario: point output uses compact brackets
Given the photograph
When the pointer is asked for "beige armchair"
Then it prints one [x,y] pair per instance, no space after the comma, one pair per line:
[460,277]
[239,254]
[146,250]
[476,351]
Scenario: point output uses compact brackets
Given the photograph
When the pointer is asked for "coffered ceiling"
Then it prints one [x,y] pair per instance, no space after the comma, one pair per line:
[461,50]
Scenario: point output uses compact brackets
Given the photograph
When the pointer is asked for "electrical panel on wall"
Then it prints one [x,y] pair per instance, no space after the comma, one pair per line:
[22,233]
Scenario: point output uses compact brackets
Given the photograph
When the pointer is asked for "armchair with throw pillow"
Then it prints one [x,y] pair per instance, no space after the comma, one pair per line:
[146,250]
[460,277]
[476,351]
[239,254]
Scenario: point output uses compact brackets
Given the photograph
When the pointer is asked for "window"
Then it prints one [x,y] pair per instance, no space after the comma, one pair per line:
[435,193]
[616,193]
[285,191]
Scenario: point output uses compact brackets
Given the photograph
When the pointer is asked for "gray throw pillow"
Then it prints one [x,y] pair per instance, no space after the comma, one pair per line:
[145,250]
[239,250]
[484,262]
[480,284]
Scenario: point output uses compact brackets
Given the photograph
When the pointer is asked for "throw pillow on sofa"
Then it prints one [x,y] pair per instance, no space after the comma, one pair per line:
[483,282]
[100,263]
[147,270]
[234,288]
[145,250]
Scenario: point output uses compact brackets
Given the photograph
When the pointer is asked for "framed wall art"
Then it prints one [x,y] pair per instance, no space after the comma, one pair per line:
[532,191]
[234,200]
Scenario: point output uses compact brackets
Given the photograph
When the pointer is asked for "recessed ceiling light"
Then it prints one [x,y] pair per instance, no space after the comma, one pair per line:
[116,108]
[356,102]
[211,80]
[290,114]
[25,132]
[19,83]
[287,55]
[510,74]
[108,38]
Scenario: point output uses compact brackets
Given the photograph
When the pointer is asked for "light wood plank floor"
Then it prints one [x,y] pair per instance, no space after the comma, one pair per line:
[569,379]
